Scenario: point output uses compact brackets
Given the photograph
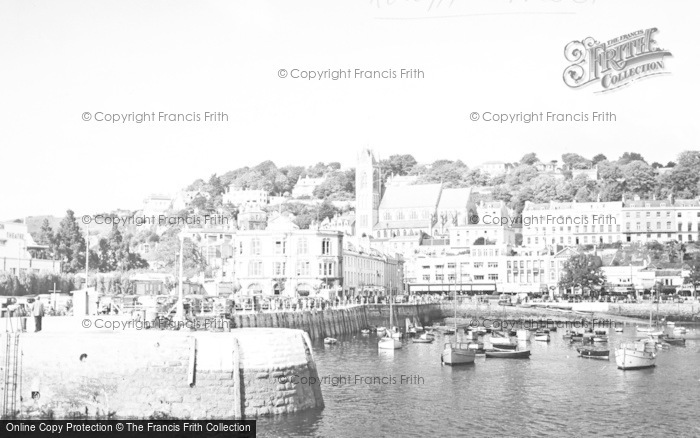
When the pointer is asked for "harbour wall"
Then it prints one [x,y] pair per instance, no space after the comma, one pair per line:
[156,374]
[317,323]
[688,312]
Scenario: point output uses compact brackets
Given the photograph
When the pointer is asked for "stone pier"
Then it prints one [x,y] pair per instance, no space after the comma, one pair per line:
[153,374]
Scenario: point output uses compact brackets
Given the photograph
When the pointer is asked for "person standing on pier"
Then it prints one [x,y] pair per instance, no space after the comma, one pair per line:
[38,312]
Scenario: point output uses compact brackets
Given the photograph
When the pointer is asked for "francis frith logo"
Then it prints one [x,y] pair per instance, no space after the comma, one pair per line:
[615,63]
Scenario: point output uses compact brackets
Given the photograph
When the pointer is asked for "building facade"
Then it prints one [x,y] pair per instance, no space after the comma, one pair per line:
[20,254]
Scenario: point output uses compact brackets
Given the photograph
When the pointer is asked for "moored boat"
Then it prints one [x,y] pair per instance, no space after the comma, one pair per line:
[518,354]
[679,342]
[635,355]
[365,331]
[600,339]
[592,353]
[542,336]
[330,341]
[423,339]
[619,329]
[389,343]
[457,353]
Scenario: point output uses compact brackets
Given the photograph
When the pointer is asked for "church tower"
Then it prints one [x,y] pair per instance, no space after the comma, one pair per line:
[368,189]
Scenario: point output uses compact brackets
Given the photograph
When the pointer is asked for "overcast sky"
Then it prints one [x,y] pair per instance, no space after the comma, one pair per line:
[61,59]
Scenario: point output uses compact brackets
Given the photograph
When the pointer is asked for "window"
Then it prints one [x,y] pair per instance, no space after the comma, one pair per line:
[279,269]
[325,269]
[326,246]
[280,247]
[426,277]
[302,246]
[451,277]
[493,277]
[439,266]
[450,266]
[255,268]
[439,277]
[255,246]
[478,277]
[493,264]
[478,265]
[303,268]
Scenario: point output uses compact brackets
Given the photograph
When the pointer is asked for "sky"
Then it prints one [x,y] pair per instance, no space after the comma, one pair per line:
[62,59]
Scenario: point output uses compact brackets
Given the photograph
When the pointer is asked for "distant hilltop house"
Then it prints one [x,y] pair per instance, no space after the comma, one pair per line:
[305,186]
[238,196]
[155,205]
[185,197]
[495,168]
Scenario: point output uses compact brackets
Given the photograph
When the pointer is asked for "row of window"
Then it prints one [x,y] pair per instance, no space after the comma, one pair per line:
[667,214]
[279,269]
[400,215]
[465,277]
[280,246]
[577,229]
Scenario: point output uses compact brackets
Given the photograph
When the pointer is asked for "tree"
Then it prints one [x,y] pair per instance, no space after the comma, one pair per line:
[693,279]
[640,178]
[598,158]
[70,243]
[575,161]
[398,164]
[628,157]
[656,165]
[529,159]
[584,271]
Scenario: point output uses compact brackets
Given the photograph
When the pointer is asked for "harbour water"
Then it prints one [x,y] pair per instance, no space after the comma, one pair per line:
[553,393]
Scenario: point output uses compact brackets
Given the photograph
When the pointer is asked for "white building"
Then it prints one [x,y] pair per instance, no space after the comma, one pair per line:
[238,197]
[19,253]
[305,186]
[155,205]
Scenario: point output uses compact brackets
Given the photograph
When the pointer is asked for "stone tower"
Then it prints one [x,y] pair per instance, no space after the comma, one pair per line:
[368,188]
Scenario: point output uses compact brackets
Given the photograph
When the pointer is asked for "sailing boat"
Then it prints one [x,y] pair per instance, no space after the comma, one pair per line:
[651,329]
[391,340]
[457,353]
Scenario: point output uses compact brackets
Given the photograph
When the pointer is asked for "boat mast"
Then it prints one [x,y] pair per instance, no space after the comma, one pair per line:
[391,309]
[455,305]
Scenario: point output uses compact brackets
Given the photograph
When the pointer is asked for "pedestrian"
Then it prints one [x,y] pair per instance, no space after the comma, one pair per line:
[38,312]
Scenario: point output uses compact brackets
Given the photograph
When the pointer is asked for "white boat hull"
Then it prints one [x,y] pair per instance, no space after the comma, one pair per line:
[543,338]
[631,359]
[523,335]
[389,344]
[457,357]
[500,341]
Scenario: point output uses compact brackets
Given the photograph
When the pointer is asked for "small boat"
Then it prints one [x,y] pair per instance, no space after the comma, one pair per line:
[600,339]
[381,330]
[679,331]
[389,343]
[477,348]
[330,341]
[416,325]
[519,354]
[523,335]
[645,329]
[457,354]
[593,353]
[504,347]
[448,331]
[423,339]
[679,342]
[498,338]
[618,329]
[670,323]
[481,330]
[542,336]
[365,331]
[552,328]
[635,355]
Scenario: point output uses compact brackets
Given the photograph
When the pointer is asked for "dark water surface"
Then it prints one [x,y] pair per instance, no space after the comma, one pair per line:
[554,393]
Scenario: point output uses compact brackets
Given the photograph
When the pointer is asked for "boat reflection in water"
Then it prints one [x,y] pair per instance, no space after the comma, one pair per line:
[635,355]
